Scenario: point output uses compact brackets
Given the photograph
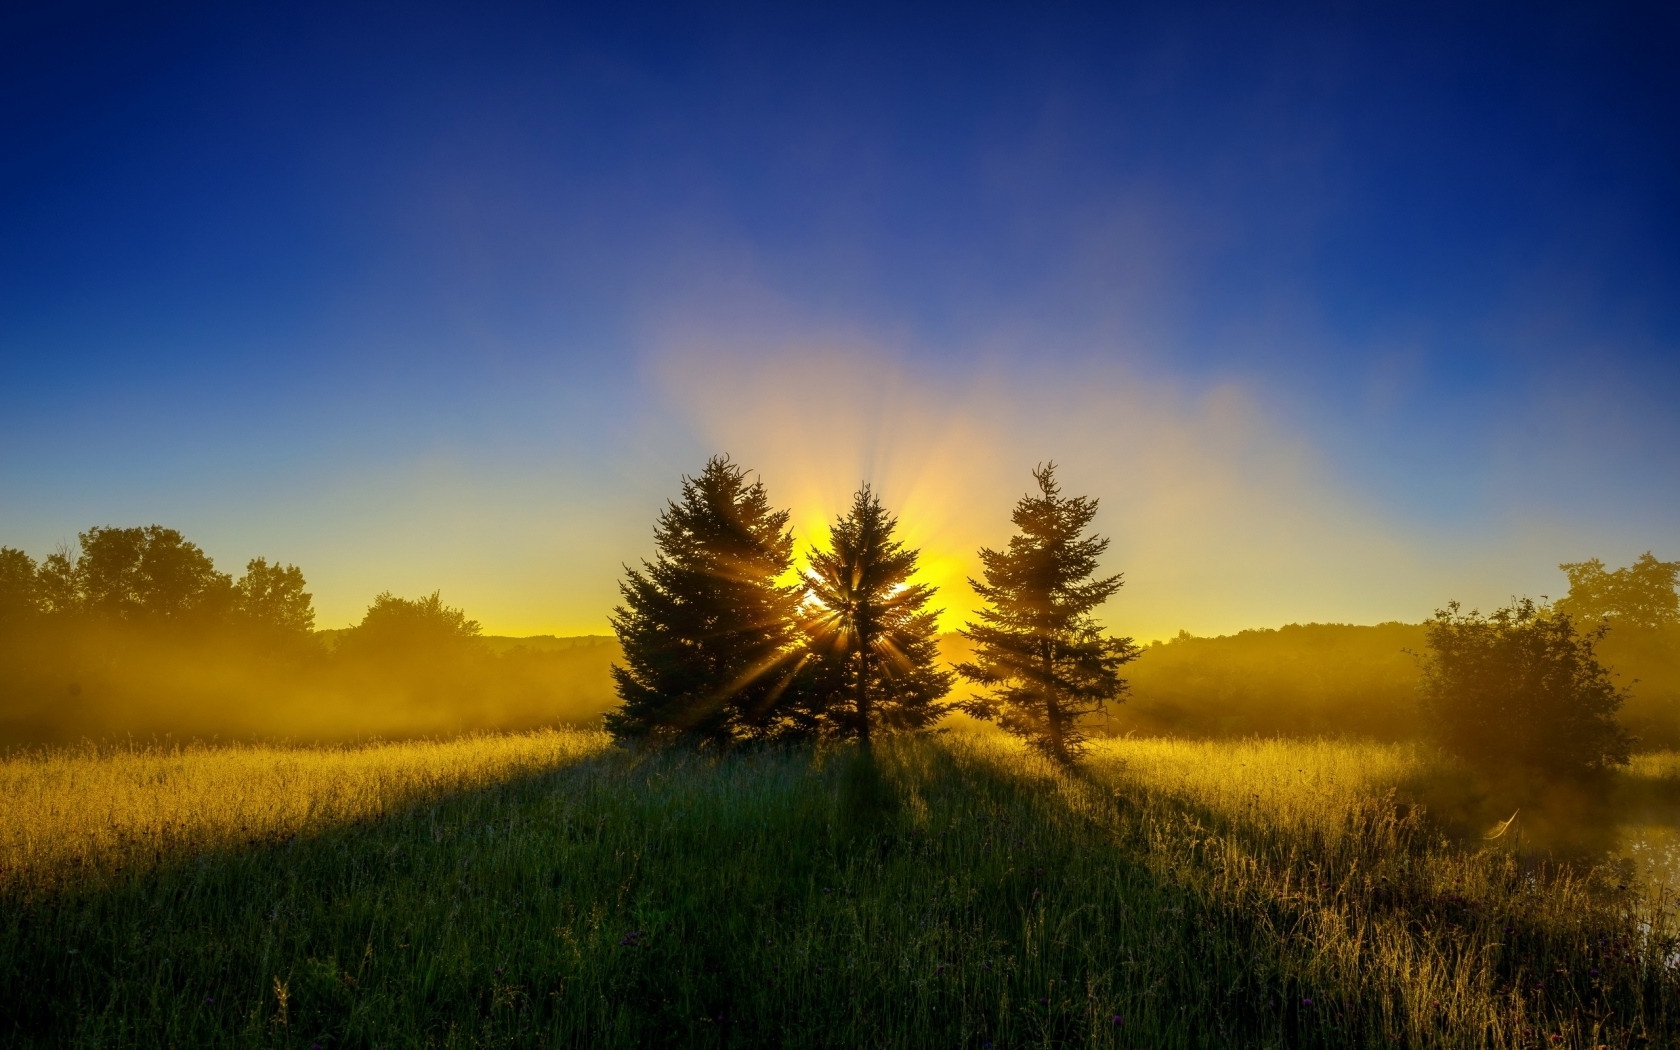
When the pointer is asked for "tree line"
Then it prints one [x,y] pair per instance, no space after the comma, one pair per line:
[135,631]
[724,637]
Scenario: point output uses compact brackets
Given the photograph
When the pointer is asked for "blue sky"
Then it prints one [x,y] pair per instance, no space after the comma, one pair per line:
[1342,310]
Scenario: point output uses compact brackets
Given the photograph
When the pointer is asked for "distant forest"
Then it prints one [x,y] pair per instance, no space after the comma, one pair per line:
[136,633]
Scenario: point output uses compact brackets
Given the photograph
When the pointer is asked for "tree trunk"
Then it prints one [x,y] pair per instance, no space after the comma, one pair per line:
[863,692]
[1053,710]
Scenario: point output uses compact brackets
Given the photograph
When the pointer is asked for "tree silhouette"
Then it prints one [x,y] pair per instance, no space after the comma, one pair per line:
[412,630]
[1521,689]
[1038,651]
[149,573]
[874,642]
[272,596]
[709,627]
[1640,595]
[19,598]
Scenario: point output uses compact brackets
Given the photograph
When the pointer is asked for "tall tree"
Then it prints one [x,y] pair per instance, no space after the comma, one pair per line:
[709,627]
[1640,595]
[1521,689]
[874,640]
[1039,653]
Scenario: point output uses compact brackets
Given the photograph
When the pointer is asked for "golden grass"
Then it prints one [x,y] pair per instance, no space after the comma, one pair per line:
[1237,893]
[101,811]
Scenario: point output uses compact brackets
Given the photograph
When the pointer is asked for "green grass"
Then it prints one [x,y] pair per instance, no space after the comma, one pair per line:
[959,895]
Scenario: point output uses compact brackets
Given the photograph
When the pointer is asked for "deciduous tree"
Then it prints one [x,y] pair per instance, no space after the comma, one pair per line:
[19,589]
[419,629]
[272,596]
[1521,689]
[149,573]
[1640,595]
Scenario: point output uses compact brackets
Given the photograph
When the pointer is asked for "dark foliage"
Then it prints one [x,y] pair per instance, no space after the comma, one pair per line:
[873,643]
[708,627]
[150,573]
[419,629]
[1640,596]
[1039,653]
[1521,690]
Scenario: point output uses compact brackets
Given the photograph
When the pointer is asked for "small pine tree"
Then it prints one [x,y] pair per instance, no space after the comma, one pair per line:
[1038,652]
[1521,690]
[708,628]
[873,643]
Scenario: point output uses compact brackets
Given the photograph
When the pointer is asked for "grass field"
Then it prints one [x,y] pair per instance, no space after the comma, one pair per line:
[548,890]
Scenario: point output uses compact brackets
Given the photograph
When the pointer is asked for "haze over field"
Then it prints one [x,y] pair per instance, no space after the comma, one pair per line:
[1341,313]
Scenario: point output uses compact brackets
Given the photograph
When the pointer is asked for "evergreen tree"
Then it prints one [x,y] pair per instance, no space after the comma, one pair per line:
[709,629]
[873,642]
[1038,652]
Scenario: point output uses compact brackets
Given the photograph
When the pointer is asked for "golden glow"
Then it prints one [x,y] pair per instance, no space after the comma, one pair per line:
[1220,518]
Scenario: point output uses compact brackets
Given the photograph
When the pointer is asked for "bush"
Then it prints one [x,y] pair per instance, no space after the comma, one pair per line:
[1521,690]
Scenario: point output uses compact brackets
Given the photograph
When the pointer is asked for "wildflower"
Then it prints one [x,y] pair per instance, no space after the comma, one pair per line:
[1593,972]
[1306,1002]
[208,1000]
[1043,1002]
[1119,1020]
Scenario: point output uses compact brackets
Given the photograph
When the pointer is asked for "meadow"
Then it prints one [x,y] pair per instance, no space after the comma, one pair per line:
[548,889]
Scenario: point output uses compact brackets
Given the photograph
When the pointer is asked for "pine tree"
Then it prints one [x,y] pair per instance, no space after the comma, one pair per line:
[1038,652]
[709,630]
[873,642]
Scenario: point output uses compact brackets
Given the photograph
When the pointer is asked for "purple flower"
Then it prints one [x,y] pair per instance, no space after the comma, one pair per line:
[1306,1002]
[1119,1020]
[207,999]
[1042,1002]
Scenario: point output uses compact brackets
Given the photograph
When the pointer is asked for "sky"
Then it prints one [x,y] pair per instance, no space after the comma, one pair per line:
[1341,311]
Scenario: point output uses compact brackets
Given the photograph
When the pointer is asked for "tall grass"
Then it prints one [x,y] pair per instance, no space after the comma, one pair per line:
[958,893]
[90,812]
